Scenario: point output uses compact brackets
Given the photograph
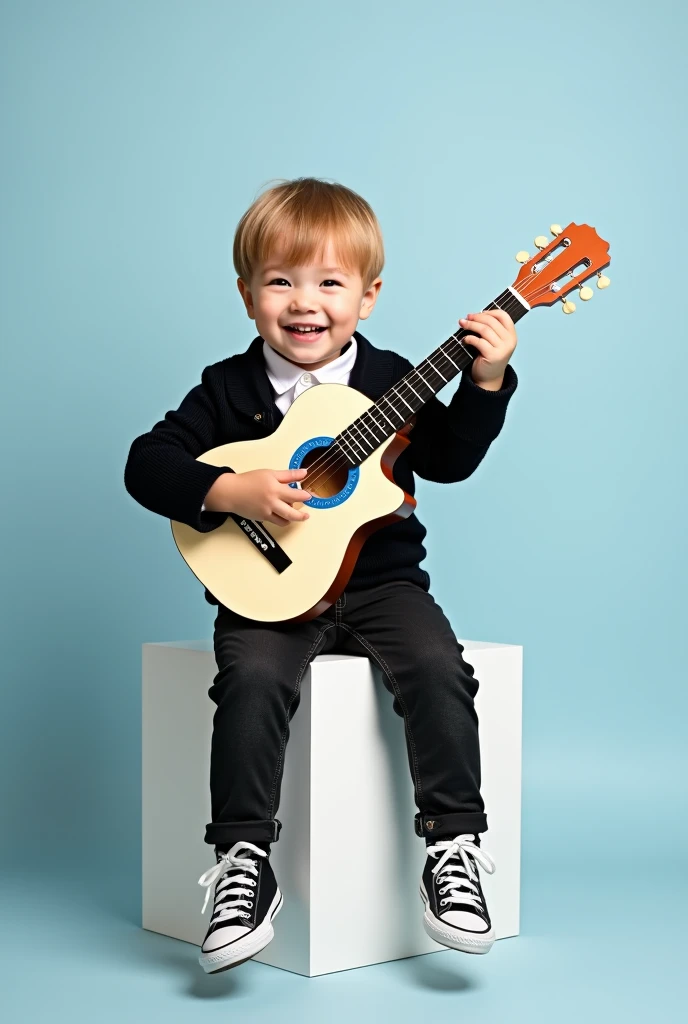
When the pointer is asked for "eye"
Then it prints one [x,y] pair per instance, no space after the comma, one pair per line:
[330,281]
[278,280]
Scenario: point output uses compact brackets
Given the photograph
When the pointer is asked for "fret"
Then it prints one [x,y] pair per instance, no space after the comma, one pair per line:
[421,399]
[424,380]
[353,441]
[342,438]
[387,418]
[437,371]
[462,347]
[352,461]
[403,400]
[379,426]
[375,437]
[362,435]
[389,402]
[458,368]
[440,354]
[426,363]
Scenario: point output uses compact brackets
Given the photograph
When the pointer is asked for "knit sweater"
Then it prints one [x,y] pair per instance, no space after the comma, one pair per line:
[235,402]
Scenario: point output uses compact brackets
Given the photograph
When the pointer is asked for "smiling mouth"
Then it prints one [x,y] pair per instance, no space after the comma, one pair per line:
[300,332]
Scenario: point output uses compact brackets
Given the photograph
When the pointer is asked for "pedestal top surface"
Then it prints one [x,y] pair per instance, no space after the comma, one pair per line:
[207,645]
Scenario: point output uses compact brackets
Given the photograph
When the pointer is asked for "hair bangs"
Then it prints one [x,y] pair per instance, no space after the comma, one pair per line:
[293,222]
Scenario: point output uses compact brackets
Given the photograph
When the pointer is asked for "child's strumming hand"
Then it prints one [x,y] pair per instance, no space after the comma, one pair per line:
[261,494]
[495,339]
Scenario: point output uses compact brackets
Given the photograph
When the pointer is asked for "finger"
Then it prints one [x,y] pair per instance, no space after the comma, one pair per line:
[488,316]
[292,494]
[277,520]
[484,347]
[502,316]
[294,515]
[485,330]
[487,320]
[285,475]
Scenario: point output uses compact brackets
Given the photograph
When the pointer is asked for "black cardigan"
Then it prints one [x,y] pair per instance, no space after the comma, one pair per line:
[235,402]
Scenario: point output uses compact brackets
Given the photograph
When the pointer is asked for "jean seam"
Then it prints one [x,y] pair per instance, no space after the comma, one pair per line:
[283,741]
[390,675]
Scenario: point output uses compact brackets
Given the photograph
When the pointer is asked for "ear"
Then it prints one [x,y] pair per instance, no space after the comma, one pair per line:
[370,298]
[247,297]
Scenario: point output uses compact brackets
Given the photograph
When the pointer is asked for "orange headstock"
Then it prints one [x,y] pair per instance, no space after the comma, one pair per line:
[574,255]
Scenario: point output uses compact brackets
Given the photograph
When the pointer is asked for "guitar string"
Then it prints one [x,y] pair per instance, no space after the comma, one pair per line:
[336,457]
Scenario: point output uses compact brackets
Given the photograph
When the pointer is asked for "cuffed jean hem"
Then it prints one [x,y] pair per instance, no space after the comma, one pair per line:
[266,831]
[429,825]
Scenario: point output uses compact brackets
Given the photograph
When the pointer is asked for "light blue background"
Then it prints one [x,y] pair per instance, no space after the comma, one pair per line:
[135,135]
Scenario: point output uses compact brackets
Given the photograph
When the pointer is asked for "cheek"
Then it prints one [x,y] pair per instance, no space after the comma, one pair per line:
[269,306]
[343,307]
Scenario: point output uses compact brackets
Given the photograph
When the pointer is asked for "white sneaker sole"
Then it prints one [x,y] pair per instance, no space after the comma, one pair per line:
[241,950]
[455,938]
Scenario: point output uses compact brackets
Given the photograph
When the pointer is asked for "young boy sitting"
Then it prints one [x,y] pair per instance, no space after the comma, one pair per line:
[309,256]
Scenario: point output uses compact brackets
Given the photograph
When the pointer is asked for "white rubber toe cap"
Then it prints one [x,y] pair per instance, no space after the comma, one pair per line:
[464,920]
[222,936]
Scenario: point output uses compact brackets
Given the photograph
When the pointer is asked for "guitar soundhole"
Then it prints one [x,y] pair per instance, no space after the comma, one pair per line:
[326,479]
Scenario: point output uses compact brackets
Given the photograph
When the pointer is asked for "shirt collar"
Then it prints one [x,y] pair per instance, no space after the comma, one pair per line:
[250,391]
[283,375]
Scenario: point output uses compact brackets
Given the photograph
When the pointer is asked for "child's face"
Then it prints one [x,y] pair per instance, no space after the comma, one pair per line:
[320,295]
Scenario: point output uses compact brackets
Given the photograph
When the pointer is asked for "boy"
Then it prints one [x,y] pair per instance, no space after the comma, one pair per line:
[309,255]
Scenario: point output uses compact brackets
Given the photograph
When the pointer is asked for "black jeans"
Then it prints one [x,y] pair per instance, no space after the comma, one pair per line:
[260,665]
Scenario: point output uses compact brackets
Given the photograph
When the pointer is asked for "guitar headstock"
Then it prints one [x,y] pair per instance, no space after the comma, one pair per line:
[575,255]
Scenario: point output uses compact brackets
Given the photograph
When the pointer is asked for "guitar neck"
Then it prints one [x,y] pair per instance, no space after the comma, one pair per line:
[396,407]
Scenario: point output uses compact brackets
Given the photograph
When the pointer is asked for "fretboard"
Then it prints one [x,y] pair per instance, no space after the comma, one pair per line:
[396,407]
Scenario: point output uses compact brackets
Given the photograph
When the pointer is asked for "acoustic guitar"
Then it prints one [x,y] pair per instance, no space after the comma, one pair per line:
[349,445]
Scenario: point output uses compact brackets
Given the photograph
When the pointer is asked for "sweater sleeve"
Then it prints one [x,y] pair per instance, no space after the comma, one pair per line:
[448,443]
[162,472]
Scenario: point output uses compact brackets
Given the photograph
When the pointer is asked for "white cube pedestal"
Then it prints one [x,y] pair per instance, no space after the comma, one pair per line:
[347,860]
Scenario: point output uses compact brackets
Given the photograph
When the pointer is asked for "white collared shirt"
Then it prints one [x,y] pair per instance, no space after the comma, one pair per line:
[289,381]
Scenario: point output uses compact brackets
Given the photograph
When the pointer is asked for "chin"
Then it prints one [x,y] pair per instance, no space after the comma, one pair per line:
[308,352]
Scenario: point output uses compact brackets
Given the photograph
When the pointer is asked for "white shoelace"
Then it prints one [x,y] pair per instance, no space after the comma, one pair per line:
[464,846]
[234,886]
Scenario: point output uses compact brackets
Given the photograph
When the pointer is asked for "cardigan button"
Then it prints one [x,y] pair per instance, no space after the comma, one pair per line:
[258,416]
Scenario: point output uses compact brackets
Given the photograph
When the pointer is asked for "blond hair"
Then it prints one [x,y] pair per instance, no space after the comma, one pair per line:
[299,217]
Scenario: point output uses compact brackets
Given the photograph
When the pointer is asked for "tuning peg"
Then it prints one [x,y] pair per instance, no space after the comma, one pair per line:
[541,241]
[556,229]
[585,292]
[568,306]
[602,280]
[522,256]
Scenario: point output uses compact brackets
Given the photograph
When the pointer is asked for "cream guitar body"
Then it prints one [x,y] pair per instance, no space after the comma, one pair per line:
[323,548]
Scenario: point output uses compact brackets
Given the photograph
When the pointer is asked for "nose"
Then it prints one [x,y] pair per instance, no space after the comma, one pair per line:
[302,302]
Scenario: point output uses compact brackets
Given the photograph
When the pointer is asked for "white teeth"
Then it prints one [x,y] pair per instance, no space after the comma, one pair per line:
[304,330]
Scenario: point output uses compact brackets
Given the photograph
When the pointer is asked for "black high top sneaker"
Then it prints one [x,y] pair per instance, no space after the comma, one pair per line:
[455,909]
[246,899]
